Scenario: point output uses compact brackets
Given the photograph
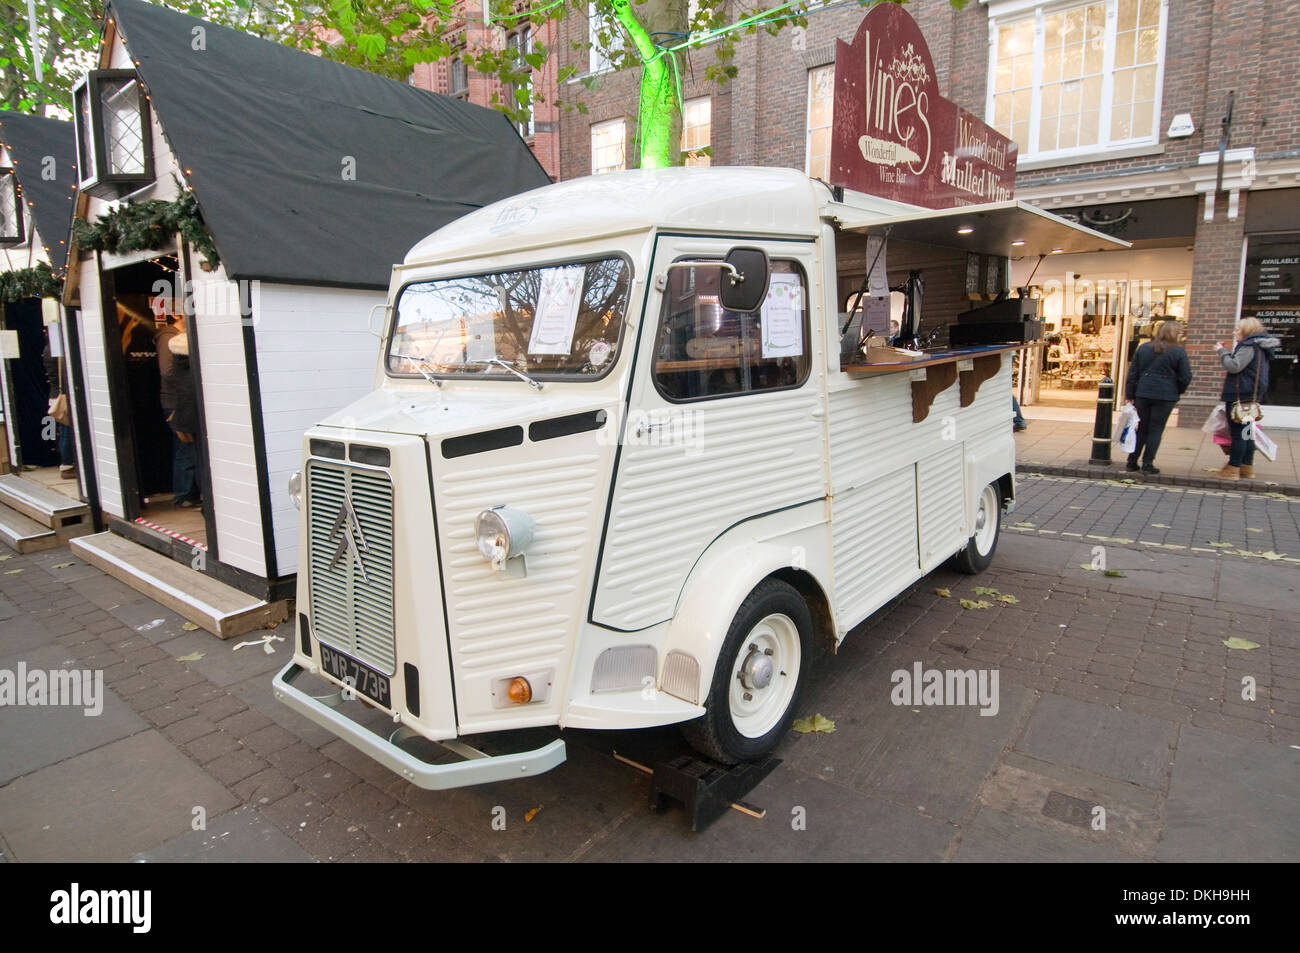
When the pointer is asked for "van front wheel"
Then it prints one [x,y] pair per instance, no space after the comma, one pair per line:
[977,554]
[757,678]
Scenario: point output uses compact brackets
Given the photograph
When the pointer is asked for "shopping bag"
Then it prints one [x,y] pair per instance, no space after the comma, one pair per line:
[1265,443]
[1127,428]
[1217,422]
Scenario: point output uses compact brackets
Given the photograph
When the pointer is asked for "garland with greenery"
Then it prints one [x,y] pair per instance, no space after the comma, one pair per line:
[143,226]
[38,282]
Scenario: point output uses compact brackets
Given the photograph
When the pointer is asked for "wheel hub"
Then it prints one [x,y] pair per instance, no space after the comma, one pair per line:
[981,518]
[757,670]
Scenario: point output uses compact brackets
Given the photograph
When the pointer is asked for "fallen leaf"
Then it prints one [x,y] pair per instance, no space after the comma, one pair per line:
[817,722]
[12,572]
[1076,507]
[1088,567]
[9,556]
[529,815]
[1160,525]
[192,657]
[189,626]
[985,591]
[1271,555]
[62,565]
[1253,529]
[1114,574]
[1023,523]
[946,593]
[1244,644]
[1009,599]
[1221,545]
[971,604]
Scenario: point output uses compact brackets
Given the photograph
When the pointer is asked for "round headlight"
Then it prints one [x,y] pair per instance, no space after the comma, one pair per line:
[295,489]
[502,533]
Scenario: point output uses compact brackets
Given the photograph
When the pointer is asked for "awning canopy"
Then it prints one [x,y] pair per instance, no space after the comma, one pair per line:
[1011,229]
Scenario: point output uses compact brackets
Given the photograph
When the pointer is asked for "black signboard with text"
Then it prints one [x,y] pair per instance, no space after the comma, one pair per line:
[1272,294]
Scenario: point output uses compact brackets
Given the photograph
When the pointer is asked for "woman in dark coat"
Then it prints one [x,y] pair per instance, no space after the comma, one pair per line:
[1157,377]
[1246,381]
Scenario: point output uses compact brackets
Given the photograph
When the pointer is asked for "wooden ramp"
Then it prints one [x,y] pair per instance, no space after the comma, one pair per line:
[222,610]
[33,517]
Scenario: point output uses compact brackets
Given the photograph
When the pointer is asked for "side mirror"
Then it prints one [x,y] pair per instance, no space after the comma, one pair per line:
[370,320]
[744,283]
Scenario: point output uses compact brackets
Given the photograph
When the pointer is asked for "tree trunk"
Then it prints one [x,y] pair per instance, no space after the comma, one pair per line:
[659,132]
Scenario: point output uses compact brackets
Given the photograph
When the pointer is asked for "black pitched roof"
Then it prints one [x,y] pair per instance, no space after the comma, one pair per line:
[30,139]
[265,132]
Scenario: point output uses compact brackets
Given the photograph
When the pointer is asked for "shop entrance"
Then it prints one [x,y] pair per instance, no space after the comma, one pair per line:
[155,399]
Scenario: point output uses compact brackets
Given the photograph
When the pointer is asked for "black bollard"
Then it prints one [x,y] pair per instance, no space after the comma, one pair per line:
[1101,430]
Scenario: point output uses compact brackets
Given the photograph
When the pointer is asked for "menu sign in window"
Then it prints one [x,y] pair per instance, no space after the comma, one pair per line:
[1271,293]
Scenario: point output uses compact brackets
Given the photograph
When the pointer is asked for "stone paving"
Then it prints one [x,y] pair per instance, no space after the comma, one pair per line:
[1115,692]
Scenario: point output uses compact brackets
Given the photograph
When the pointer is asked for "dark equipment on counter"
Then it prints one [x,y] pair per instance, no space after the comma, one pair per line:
[910,327]
[1009,320]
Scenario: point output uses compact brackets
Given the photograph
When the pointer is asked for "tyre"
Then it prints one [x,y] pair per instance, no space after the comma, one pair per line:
[976,555]
[757,678]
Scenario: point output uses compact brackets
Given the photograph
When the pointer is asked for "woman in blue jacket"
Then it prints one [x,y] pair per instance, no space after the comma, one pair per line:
[1159,374]
[1247,381]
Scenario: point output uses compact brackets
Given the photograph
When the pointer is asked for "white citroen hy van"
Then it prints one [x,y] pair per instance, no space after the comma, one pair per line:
[614,473]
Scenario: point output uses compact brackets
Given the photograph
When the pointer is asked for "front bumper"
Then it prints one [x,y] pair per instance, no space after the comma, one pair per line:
[478,768]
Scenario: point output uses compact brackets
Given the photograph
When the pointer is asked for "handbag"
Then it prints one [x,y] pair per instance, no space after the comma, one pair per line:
[1247,411]
[60,411]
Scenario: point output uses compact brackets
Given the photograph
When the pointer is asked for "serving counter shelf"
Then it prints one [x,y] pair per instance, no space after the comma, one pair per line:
[933,372]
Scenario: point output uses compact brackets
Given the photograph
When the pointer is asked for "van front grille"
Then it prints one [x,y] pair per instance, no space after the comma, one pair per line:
[350,532]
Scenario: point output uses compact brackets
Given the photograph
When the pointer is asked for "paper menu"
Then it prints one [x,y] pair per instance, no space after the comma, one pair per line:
[557,310]
[782,317]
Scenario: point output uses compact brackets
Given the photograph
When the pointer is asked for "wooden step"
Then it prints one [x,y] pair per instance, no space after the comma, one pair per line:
[51,509]
[222,610]
[23,534]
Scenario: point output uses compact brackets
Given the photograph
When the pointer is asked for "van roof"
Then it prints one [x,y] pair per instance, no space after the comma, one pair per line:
[731,200]
[734,199]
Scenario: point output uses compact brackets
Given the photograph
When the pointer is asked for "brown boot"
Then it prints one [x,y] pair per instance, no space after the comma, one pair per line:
[1247,472]
[1229,472]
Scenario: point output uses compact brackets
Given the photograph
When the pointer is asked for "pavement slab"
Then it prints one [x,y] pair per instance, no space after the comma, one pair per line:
[240,836]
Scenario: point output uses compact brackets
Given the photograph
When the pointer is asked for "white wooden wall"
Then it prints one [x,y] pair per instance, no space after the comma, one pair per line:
[314,357]
[95,385]
[228,420]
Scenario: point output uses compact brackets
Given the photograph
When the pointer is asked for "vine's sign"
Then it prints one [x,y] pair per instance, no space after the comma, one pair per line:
[894,136]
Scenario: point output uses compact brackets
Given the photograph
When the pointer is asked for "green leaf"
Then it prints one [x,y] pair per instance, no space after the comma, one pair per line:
[1238,643]
[192,657]
[971,604]
[371,45]
[1009,599]
[985,591]
[817,722]
[1114,574]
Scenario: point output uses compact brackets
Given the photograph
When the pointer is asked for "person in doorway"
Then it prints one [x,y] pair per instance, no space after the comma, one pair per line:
[1245,382]
[59,409]
[184,421]
[1159,374]
[165,329]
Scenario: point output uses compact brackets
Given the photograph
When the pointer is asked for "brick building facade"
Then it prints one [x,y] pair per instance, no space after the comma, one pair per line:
[454,77]
[1090,91]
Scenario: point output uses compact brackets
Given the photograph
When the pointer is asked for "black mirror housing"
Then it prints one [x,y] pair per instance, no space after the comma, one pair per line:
[746,288]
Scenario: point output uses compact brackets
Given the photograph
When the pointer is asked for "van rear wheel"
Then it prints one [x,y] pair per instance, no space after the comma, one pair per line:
[977,554]
[757,678]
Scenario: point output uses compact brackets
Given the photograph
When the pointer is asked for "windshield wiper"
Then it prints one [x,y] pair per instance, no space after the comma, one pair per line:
[423,366]
[533,382]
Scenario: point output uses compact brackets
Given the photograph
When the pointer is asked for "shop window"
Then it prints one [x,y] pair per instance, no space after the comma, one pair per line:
[11,209]
[821,99]
[459,78]
[606,38]
[608,147]
[521,42]
[697,122]
[114,138]
[1073,79]
[703,350]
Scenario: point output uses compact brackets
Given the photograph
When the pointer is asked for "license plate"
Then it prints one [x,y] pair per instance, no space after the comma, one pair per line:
[362,679]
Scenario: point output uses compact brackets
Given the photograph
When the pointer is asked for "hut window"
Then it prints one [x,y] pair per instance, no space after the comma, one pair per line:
[114,138]
[11,209]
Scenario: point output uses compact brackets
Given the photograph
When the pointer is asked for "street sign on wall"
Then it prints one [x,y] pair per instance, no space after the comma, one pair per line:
[894,136]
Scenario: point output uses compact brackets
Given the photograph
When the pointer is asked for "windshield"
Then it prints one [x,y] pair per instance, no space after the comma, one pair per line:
[560,321]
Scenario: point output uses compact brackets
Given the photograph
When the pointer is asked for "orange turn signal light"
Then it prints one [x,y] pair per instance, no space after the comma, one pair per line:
[519,691]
